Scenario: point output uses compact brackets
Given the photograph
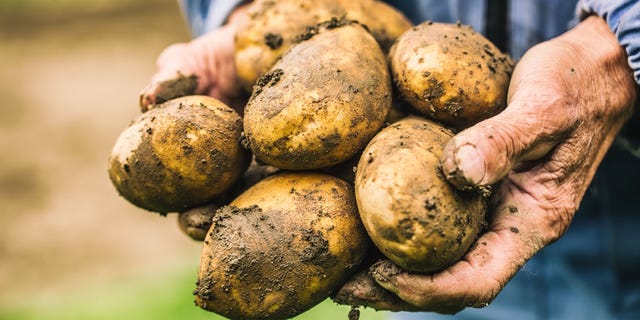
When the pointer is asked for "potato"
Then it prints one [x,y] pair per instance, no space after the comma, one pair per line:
[413,215]
[178,155]
[281,247]
[450,73]
[275,26]
[322,102]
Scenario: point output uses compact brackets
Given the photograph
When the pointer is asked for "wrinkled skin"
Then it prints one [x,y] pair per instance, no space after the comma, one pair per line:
[568,99]
[208,59]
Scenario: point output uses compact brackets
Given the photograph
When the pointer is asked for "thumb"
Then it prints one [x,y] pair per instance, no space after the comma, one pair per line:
[483,154]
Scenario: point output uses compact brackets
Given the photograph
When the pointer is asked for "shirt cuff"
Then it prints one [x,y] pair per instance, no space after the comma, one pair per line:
[203,15]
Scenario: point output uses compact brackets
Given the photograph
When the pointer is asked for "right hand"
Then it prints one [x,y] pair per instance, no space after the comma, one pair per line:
[208,59]
[568,99]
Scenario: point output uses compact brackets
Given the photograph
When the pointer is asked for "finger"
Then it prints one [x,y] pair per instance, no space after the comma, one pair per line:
[191,68]
[159,92]
[392,278]
[485,153]
[477,279]
[362,290]
[176,75]
[561,180]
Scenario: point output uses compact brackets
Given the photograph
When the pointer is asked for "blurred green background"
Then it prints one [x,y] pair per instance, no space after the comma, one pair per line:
[70,247]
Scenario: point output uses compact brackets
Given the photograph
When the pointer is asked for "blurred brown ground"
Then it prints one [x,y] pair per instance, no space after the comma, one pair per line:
[69,85]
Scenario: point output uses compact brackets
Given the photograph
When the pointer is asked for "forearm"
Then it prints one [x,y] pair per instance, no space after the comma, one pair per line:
[606,56]
[623,18]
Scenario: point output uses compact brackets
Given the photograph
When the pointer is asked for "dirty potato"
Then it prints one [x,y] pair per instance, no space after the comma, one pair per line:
[322,102]
[275,26]
[179,154]
[450,73]
[413,215]
[281,247]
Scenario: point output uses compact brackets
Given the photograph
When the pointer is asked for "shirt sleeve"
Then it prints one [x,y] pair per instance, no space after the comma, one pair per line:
[205,15]
[623,17]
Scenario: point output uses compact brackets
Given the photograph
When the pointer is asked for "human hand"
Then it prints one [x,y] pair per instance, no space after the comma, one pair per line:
[568,98]
[203,66]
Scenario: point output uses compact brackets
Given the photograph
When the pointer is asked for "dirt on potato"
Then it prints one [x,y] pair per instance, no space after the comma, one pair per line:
[314,109]
[450,73]
[280,248]
[181,154]
[253,266]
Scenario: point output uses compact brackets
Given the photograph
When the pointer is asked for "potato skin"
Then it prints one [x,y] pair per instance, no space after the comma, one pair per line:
[274,26]
[322,102]
[178,155]
[413,215]
[450,73]
[281,247]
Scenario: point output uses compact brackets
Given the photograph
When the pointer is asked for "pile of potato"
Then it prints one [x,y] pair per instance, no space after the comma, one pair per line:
[337,87]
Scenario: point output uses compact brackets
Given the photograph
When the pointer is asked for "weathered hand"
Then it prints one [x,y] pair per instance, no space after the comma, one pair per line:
[568,99]
[203,66]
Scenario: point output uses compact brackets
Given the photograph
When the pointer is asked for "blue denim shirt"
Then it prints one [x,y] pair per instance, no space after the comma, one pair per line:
[592,271]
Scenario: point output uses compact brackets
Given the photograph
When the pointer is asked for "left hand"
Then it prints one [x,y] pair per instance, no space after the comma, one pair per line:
[204,66]
[568,99]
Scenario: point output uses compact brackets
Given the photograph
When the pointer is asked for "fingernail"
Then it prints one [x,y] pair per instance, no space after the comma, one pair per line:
[449,167]
[469,164]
